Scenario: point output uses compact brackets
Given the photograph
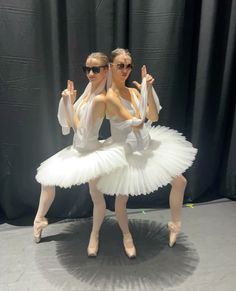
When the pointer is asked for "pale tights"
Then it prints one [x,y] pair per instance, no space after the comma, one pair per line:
[121,214]
[47,196]
[176,198]
[99,207]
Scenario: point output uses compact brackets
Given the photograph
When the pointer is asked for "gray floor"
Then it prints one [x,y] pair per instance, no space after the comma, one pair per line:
[203,259]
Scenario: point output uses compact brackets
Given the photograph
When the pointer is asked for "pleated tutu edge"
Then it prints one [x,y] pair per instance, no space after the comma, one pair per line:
[70,167]
[168,155]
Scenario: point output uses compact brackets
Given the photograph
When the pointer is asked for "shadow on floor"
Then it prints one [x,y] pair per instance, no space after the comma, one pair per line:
[156,264]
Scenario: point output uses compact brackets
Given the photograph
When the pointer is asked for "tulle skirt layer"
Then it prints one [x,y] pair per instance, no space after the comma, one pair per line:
[72,167]
[168,155]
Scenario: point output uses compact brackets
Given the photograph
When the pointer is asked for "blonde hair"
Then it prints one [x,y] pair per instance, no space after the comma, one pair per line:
[119,51]
[100,56]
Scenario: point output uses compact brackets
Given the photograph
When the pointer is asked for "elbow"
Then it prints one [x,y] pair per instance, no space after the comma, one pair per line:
[153,117]
[152,114]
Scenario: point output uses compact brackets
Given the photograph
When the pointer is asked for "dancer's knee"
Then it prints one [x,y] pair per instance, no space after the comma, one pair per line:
[121,200]
[97,196]
[48,189]
[179,182]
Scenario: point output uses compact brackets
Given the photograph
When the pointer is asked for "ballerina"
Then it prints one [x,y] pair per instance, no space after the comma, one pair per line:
[156,156]
[87,158]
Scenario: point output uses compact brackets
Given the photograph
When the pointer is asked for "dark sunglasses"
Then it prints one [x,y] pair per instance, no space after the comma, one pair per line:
[123,66]
[95,69]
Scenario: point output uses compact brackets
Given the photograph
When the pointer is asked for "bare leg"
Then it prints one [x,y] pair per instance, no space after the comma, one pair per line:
[121,215]
[176,201]
[99,207]
[47,196]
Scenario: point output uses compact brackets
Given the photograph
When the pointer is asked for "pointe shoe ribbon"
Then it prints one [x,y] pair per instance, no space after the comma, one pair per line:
[174,229]
[39,225]
[129,246]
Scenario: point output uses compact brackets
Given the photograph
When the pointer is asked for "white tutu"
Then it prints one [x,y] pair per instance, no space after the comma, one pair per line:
[71,167]
[168,155]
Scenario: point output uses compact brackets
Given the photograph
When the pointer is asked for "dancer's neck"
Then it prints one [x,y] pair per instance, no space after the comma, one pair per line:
[120,86]
[94,87]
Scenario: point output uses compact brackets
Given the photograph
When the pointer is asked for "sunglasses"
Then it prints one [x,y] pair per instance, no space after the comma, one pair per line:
[123,66]
[95,69]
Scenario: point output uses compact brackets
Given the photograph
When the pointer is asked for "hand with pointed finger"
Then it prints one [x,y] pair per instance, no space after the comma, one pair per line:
[149,78]
[69,91]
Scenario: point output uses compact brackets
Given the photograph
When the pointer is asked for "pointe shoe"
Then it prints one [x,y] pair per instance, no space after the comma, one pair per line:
[174,229]
[39,225]
[129,246]
[93,246]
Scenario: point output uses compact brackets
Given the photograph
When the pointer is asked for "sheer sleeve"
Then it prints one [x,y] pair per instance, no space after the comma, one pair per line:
[156,99]
[66,112]
[144,99]
[61,115]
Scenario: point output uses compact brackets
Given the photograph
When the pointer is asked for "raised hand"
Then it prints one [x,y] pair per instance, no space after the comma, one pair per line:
[69,91]
[71,116]
[149,78]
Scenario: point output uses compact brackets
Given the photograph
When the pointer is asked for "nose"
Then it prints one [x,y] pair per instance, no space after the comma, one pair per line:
[90,73]
[125,70]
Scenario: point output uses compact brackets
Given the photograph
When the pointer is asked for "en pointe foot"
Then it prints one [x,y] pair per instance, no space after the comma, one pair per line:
[174,229]
[93,245]
[129,246]
[39,225]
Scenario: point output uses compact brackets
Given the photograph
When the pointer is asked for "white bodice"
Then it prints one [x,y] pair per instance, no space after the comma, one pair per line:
[135,138]
[86,136]
[91,141]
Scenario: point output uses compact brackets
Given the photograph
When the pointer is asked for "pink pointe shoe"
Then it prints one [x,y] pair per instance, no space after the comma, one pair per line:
[129,246]
[174,229]
[39,225]
[93,245]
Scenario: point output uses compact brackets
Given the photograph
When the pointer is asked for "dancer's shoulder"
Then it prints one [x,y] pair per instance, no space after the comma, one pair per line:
[112,96]
[100,98]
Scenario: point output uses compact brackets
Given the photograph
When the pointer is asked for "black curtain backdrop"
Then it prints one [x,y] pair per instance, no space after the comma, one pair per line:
[189,48]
